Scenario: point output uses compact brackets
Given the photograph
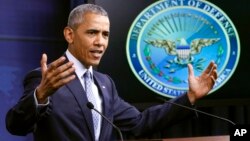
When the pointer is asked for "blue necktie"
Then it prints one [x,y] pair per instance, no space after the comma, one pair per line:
[91,98]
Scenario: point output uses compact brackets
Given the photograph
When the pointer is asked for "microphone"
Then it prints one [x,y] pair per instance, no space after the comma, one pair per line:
[198,111]
[91,106]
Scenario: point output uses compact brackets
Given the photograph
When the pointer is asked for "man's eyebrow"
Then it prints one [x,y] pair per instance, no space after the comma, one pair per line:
[97,30]
[106,31]
[93,30]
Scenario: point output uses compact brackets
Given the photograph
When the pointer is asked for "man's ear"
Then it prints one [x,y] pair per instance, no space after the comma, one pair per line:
[68,34]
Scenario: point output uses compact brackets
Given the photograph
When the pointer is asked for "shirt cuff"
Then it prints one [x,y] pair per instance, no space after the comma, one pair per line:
[40,105]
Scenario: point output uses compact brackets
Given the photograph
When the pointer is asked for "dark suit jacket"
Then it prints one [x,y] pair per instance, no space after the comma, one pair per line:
[67,117]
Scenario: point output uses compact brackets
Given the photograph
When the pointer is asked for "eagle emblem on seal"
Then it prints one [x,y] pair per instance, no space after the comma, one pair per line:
[181,49]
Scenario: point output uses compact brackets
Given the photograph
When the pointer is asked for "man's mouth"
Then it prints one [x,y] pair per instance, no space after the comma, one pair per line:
[96,53]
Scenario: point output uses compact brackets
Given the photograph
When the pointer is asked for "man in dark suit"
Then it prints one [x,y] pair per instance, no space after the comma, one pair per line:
[53,106]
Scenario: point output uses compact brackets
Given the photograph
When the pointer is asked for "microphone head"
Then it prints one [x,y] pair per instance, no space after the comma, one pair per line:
[90,105]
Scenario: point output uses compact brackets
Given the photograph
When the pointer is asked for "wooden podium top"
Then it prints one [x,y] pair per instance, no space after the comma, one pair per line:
[208,138]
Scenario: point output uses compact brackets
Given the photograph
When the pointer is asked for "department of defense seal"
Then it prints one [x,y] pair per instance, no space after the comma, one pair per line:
[169,34]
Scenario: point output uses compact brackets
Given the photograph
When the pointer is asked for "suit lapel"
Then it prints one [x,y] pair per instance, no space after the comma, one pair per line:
[103,91]
[78,92]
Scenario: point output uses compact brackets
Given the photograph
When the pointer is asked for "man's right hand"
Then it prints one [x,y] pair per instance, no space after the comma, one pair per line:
[54,75]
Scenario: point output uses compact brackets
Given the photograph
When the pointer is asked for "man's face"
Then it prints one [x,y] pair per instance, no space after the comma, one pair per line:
[89,41]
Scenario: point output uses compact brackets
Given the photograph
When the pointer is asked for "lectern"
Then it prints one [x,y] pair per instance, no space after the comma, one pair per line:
[208,138]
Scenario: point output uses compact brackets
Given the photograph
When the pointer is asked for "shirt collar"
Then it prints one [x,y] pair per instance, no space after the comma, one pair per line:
[80,69]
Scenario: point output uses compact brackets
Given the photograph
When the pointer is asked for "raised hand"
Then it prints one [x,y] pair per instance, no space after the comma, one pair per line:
[201,85]
[54,75]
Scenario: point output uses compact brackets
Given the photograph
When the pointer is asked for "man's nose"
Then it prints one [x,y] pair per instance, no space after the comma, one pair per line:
[100,40]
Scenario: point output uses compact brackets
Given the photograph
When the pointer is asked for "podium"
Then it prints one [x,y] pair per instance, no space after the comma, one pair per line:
[208,138]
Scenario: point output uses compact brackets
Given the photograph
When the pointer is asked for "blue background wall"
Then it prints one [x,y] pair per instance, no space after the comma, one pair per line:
[28,28]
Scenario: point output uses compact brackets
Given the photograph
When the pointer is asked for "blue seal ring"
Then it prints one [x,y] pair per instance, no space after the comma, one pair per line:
[169,34]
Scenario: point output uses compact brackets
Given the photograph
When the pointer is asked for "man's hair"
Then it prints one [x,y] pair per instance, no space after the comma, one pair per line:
[77,14]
